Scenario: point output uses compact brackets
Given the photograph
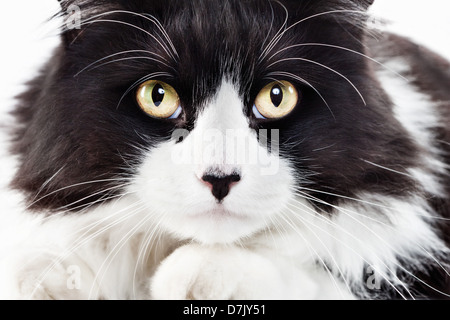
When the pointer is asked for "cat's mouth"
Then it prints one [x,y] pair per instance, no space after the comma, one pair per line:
[220,212]
[216,224]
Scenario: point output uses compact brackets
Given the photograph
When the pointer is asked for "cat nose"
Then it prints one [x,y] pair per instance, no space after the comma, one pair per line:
[221,184]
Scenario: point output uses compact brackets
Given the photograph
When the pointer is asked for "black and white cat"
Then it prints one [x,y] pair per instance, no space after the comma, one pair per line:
[230,149]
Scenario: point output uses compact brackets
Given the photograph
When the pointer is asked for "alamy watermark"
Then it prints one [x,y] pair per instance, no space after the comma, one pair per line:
[73,277]
[373,281]
[231,147]
[73,17]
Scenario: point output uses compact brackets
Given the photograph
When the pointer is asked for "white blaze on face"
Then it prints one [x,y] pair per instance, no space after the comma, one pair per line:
[171,181]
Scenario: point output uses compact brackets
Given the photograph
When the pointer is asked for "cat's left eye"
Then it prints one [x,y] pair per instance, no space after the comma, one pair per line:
[276,100]
[159,100]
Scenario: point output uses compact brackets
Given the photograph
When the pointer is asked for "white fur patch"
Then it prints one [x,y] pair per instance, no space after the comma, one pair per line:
[419,116]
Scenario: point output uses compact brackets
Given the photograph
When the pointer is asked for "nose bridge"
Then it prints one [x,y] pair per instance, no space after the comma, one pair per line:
[222,128]
[225,111]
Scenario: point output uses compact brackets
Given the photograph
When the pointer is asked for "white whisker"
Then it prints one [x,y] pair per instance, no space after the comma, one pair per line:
[146,246]
[163,31]
[323,66]
[278,37]
[141,80]
[75,185]
[121,53]
[324,264]
[47,182]
[388,169]
[115,251]
[350,213]
[340,48]
[273,42]
[150,18]
[125,59]
[69,251]
[358,200]
[333,224]
[300,79]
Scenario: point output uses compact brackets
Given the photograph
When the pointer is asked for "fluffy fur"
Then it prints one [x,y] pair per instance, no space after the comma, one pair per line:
[349,196]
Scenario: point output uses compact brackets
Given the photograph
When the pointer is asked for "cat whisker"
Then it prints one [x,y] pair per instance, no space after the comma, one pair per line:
[278,37]
[98,222]
[75,185]
[388,169]
[273,223]
[298,78]
[92,226]
[374,204]
[272,43]
[271,26]
[340,48]
[312,213]
[324,148]
[70,206]
[325,67]
[88,228]
[121,53]
[169,49]
[163,31]
[46,183]
[78,245]
[146,246]
[141,80]
[303,189]
[443,142]
[334,225]
[309,247]
[350,213]
[133,26]
[115,251]
[292,225]
[125,59]
[82,208]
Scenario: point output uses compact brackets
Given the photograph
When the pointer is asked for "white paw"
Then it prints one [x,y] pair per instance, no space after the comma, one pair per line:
[42,277]
[216,273]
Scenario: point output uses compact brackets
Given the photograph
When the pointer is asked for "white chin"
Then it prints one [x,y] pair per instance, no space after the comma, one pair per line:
[214,227]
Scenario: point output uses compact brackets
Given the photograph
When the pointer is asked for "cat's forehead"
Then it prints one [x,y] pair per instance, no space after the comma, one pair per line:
[195,45]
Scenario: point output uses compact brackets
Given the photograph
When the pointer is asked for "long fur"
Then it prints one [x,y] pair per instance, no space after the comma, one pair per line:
[359,203]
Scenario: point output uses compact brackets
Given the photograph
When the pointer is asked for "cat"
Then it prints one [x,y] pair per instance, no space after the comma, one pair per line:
[229,149]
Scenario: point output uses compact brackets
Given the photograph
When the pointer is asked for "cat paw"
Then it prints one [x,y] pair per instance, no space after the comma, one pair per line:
[195,272]
[43,277]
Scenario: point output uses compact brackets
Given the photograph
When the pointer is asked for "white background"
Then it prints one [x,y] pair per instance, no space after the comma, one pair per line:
[27,38]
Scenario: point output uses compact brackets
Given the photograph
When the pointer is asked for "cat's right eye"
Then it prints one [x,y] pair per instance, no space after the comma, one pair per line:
[159,100]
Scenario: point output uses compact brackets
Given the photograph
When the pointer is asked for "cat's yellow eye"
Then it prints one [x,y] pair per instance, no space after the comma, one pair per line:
[276,100]
[159,100]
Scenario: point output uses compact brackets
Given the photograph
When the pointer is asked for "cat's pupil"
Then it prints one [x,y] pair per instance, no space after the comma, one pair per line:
[158,95]
[276,95]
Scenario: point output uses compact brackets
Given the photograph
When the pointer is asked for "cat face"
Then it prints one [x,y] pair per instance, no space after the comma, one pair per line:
[213,115]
